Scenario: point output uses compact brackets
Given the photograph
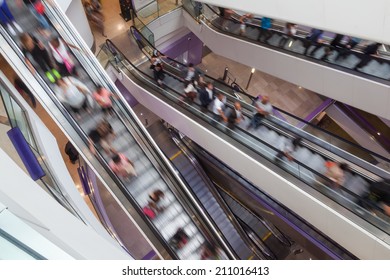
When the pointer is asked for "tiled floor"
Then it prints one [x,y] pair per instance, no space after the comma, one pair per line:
[287,96]
[114,24]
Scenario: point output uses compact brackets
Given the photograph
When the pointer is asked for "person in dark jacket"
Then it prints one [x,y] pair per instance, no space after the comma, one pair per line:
[369,51]
[313,39]
[206,95]
[159,75]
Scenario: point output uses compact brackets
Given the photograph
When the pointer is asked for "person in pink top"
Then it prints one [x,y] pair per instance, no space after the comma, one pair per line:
[122,166]
[103,98]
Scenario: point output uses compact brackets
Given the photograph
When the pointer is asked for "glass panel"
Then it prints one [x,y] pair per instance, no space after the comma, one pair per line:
[346,55]
[19,119]
[10,251]
[263,142]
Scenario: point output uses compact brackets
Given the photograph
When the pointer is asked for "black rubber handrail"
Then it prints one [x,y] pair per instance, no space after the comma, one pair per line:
[348,52]
[374,206]
[258,195]
[132,29]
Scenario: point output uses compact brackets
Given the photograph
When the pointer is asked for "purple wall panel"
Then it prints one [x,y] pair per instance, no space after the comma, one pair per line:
[188,42]
[126,94]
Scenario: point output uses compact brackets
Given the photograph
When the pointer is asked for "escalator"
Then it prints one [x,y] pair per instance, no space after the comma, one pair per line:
[378,68]
[278,227]
[264,235]
[308,164]
[153,171]
[274,131]
[211,193]
[201,187]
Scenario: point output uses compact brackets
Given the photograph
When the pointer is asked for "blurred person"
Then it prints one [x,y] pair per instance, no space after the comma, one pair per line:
[235,116]
[103,97]
[290,30]
[198,8]
[313,39]
[379,194]
[37,9]
[179,239]
[156,197]
[151,210]
[159,75]
[265,30]
[369,50]
[34,48]
[7,19]
[287,148]
[62,57]
[351,43]
[95,16]
[263,108]
[122,166]
[210,252]
[226,15]
[74,93]
[101,136]
[156,59]
[191,72]
[190,91]
[206,95]
[336,172]
[23,89]
[335,44]
[244,19]
[218,108]
[96,4]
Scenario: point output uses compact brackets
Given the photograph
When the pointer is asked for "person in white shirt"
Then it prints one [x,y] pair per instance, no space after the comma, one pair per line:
[190,73]
[190,91]
[287,148]
[218,106]
[263,109]
[72,92]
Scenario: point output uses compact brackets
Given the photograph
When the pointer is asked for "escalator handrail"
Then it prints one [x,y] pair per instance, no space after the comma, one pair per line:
[194,162]
[161,159]
[283,126]
[282,239]
[346,69]
[266,200]
[97,204]
[251,136]
[246,105]
[258,242]
[84,138]
[99,157]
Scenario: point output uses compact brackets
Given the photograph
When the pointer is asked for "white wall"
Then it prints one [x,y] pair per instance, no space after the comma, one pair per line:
[75,13]
[49,147]
[358,92]
[324,217]
[168,26]
[64,4]
[364,19]
[33,205]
